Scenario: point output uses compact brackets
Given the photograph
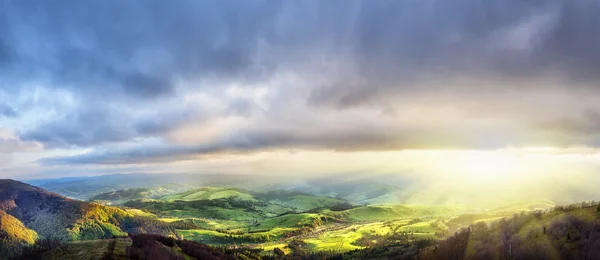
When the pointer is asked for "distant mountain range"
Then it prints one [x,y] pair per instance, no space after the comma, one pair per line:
[363,190]
[355,188]
[84,188]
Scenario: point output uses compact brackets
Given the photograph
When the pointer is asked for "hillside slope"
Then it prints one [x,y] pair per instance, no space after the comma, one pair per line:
[54,216]
[211,193]
[122,196]
[13,236]
[13,229]
[30,214]
[145,247]
[84,188]
[565,232]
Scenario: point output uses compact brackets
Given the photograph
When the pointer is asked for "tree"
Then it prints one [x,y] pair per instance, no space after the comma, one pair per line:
[544,230]
[278,251]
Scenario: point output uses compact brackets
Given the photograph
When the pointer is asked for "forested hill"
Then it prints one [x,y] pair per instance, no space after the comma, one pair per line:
[28,213]
[564,232]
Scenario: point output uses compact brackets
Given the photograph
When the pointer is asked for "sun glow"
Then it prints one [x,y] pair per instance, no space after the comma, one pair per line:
[488,165]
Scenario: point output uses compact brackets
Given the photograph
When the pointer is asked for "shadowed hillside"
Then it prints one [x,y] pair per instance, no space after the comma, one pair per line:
[28,213]
[52,215]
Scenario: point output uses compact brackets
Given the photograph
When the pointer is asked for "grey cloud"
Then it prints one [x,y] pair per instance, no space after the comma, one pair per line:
[358,139]
[11,145]
[117,53]
[138,47]
[7,111]
[81,129]
[583,128]
[133,48]
[98,126]
[241,142]
[405,47]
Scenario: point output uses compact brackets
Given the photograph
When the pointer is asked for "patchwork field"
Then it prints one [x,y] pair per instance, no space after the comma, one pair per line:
[210,193]
[294,221]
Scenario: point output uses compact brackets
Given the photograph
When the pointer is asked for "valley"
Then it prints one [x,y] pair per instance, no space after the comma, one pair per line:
[273,222]
[299,130]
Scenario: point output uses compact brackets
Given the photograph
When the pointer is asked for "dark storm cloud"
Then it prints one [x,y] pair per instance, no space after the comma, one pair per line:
[82,129]
[359,138]
[118,53]
[134,47]
[137,47]
[98,126]
[240,142]
[401,45]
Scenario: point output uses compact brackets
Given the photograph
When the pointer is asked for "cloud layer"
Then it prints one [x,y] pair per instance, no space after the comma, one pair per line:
[149,81]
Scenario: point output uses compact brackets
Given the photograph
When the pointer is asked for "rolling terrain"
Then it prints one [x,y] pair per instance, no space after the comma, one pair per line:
[211,193]
[564,232]
[84,188]
[269,220]
[122,196]
[266,224]
[29,214]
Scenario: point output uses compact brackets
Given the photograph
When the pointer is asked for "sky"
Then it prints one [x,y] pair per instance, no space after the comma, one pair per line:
[441,89]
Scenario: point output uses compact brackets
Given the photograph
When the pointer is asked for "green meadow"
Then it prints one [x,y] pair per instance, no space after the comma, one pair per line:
[288,221]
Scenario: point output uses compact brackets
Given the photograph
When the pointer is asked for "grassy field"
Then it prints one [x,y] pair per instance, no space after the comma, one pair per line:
[302,203]
[268,249]
[326,237]
[394,212]
[212,213]
[286,221]
[139,212]
[326,232]
[268,222]
[210,193]
[201,235]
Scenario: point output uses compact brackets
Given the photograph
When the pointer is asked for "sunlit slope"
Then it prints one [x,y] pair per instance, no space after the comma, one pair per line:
[223,209]
[530,205]
[569,232]
[210,193]
[289,221]
[122,196]
[302,203]
[13,229]
[394,212]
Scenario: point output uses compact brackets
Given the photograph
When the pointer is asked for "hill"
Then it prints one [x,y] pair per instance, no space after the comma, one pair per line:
[84,188]
[564,232]
[52,215]
[14,235]
[144,246]
[396,212]
[122,196]
[13,229]
[303,203]
[360,189]
[211,193]
[28,213]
